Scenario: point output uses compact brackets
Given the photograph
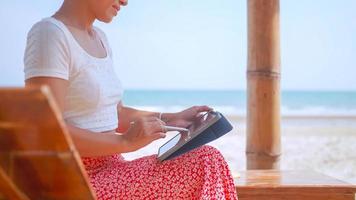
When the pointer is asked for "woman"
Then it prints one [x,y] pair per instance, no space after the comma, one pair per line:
[74,59]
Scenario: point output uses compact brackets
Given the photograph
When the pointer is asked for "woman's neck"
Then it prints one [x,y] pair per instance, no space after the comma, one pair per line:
[76,13]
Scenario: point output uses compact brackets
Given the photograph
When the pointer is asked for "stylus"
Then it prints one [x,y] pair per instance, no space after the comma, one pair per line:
[174,128]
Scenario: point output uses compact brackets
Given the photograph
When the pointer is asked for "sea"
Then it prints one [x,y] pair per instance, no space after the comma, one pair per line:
[233,102]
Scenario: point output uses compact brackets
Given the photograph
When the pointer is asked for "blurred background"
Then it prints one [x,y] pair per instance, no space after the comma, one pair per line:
[171,55]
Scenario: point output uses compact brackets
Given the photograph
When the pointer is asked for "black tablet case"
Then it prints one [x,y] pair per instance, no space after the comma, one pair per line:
[216,130]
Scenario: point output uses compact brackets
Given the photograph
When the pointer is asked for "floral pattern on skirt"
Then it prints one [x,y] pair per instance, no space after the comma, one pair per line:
[199,174]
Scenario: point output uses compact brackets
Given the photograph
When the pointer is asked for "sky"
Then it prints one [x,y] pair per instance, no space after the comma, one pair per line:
[198,44]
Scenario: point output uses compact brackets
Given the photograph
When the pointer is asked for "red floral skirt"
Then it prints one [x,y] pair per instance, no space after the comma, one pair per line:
[199,174]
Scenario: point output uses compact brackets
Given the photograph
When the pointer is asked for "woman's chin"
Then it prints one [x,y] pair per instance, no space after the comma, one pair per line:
[106,19]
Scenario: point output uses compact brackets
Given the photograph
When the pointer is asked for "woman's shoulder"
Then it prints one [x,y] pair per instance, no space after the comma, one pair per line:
[47,26]
[47,51]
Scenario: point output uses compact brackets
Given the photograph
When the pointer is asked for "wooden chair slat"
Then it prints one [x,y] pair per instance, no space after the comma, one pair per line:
[36,151]
[8,190]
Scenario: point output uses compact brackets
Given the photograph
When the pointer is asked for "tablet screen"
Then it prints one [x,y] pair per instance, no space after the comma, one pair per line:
[171,143]
[200,123]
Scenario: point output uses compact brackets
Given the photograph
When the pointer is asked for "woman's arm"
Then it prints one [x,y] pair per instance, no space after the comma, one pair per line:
[180,119]
[84,140]
[89,143]
[92,144]
[128,114]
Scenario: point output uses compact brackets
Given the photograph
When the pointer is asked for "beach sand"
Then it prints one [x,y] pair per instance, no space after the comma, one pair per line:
[323,144]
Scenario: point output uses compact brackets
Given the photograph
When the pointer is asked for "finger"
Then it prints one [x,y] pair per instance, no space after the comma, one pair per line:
[132,123]
[199,115]
[148,121]
[133,129]
[161,122]
[151,119]
[204,109]
[156,126]
[157,136]
[155,119]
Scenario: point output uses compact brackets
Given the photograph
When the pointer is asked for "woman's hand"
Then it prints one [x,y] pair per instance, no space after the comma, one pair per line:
[143,131]
[186,117]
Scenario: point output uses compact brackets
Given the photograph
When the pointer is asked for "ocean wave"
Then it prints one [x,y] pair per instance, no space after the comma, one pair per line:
[285,111]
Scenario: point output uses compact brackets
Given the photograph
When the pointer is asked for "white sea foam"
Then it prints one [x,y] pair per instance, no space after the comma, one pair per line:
[285,111]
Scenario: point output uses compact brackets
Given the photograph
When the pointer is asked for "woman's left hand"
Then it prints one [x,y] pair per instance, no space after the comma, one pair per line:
[187,116]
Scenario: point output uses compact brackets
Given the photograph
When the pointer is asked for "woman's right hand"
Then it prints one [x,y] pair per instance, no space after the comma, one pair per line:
[143,131]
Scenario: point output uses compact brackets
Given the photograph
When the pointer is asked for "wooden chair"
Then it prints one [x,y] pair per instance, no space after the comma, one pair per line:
[38,159]
[291,185]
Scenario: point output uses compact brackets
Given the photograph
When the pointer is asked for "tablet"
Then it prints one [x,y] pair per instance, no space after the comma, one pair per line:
[204,129]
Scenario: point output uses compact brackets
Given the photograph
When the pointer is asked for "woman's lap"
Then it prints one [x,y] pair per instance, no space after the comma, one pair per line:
[199,174]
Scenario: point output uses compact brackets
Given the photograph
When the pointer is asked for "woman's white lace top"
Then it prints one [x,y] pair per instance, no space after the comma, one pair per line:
[94,89]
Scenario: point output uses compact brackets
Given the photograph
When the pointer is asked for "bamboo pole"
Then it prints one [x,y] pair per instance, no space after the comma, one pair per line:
[263,147]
